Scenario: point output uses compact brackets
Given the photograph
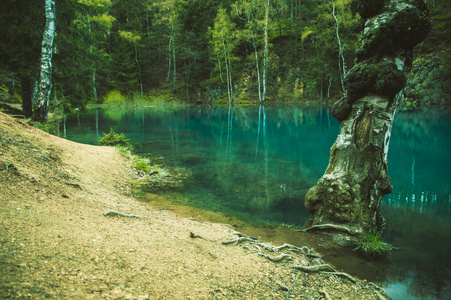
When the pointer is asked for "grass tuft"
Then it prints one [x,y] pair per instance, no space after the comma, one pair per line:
[371,244]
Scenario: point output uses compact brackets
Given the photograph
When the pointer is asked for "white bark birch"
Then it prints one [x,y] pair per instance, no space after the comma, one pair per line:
[139,70]
[228,76]
[94,88]
[173,58]
[45,84]
[169,59]
[341,58]
[266,51]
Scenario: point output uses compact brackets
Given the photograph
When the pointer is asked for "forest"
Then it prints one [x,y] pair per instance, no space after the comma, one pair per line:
[240,51]
[225,112]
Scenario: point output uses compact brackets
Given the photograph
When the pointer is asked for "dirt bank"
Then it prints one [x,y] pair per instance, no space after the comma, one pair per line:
[57,243]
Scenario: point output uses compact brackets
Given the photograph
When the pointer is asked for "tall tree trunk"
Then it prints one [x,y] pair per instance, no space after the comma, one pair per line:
[230,76]
[45,84]
[12,86]
[94,88]
[341,58]
[55,99]
[139,71]
[296,35]
[220,69]
[148,27]
[228,73]
[173,58]
[279,24]
[349,194]
[266,51]
[27,107]
[260,97]
[169,59]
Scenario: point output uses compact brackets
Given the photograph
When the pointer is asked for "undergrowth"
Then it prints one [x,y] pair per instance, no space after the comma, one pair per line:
[164,102]
[114,139]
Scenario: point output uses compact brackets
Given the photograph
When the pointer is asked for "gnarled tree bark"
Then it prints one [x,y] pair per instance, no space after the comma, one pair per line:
[349,194]
[45,83]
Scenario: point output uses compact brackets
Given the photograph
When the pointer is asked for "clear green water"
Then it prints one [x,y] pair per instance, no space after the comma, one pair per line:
[258,163]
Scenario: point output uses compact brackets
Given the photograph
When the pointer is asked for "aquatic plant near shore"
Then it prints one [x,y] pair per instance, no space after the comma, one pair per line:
[371,244]
[143,165]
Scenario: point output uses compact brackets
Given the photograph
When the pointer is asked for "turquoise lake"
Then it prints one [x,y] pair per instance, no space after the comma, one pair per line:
[257,163]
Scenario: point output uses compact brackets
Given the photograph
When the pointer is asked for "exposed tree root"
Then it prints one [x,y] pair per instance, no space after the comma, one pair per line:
[116,213]
[238,240]
[303,259]
[240,234]
[276,258]
[282,286]
[315,268]
[331,226]
[242,238]
[380,296]
[304,250]
[344,275]
[194,235]
[325,294]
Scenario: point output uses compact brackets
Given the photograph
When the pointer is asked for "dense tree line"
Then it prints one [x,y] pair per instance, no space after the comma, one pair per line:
[229,50]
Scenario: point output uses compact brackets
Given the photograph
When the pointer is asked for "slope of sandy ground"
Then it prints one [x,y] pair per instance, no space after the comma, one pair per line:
[57,243]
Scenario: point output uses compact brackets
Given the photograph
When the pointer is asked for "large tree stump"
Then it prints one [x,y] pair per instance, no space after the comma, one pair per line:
[349,194]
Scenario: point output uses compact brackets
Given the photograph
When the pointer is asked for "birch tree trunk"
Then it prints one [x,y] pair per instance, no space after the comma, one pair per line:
[94,88]
[45,83]
[228,73]
[173,57]
[341,58]
[139,70]
[169,59]
[266,52]
[349,194]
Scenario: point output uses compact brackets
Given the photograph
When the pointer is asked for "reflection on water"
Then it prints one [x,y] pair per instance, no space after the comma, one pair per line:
[419,209]
[257,163]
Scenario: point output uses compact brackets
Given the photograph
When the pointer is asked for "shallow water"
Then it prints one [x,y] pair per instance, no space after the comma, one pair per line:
[256,164]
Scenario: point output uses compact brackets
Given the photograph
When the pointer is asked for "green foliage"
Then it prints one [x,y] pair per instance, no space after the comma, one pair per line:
[114,139]
[115,99]
[143,164]
[103,46]
[130,36]
[115,103]
[371,244]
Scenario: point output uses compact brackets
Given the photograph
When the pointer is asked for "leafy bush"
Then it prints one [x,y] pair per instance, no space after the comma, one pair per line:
[115,99]
[372,244]
[114,139]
